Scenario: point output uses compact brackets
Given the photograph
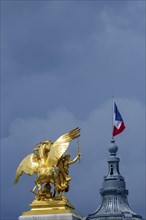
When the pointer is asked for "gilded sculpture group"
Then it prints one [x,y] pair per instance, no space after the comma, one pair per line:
[51,166]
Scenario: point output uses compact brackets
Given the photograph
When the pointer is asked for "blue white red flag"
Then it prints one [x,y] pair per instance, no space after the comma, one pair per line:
[118,123]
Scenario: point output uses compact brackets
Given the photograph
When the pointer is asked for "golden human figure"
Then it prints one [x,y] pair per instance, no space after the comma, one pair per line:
[51,166]
[63,165]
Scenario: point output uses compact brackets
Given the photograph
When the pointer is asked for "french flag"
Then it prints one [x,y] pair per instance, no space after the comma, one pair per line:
[118,123]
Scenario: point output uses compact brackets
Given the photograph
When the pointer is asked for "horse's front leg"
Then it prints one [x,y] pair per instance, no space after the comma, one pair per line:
[34,188]
[39,193]
[39,185]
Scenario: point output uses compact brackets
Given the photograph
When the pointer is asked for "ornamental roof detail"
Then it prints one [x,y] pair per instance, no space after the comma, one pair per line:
[114,204]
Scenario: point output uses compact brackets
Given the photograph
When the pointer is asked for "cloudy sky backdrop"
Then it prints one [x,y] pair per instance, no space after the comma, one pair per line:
[61,62]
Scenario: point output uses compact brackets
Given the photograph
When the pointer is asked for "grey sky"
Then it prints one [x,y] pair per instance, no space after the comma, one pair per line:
[61,61]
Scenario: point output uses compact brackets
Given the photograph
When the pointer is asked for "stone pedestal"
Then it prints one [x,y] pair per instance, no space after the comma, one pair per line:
[51,209]
[67,216]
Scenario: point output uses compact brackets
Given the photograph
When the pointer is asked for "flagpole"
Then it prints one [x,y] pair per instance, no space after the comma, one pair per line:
[112,114]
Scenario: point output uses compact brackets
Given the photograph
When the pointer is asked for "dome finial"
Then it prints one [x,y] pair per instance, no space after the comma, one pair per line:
[113,148]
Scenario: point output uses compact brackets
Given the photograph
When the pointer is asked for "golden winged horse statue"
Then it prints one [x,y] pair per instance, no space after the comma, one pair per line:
[51,166]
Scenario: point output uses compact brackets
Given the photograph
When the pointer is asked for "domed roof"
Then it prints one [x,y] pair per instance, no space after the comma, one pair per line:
[114,205]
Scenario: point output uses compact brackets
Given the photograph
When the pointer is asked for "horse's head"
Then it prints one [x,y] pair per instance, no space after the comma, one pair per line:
[47,144]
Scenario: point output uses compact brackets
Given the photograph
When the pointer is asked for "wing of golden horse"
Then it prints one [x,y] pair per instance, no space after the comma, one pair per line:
[28,165]
[60,146]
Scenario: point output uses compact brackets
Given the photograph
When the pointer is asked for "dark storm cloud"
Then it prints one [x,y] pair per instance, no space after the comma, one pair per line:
[87,176]
[43,36]
[61,60]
